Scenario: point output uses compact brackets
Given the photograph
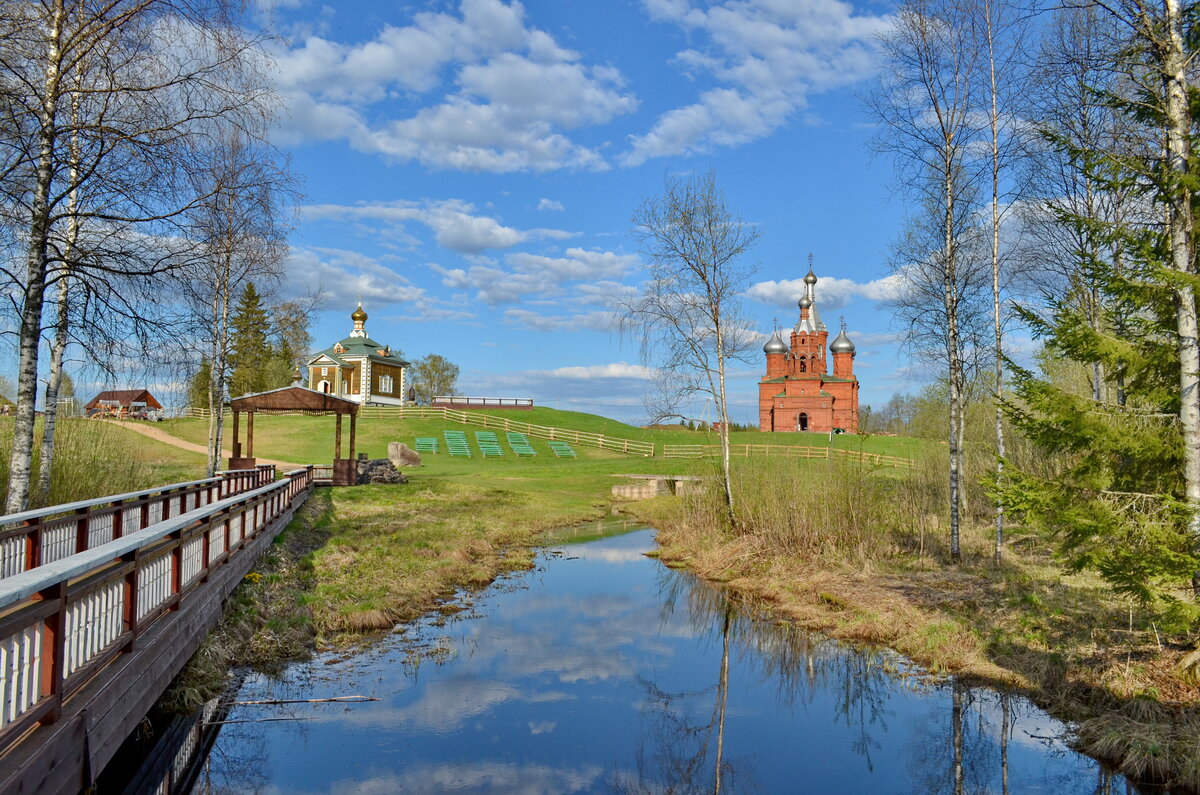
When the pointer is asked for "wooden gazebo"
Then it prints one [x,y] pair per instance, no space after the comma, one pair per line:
[291,399]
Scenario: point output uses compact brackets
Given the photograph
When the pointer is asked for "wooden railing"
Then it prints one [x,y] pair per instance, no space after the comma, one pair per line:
[616,444]
[784,451]
[323,474]
[64,622]
[34,538]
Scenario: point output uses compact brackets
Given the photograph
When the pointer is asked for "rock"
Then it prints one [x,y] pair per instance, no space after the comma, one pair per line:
[378,470]
[401,455]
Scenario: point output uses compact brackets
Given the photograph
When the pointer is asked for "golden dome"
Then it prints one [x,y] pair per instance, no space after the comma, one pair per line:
[359,315]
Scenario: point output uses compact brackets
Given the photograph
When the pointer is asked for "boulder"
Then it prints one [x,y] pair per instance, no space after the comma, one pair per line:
[401,455]
[378,470]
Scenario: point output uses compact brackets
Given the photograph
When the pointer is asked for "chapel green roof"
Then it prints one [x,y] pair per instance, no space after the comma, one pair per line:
[362,346]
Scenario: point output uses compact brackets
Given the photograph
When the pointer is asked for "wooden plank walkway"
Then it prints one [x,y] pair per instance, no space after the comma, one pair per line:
[88,643]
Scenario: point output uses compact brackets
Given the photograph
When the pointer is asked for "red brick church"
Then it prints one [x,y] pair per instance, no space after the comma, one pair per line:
[798,393]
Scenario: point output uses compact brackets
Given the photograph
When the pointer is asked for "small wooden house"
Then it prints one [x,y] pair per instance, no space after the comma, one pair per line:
[123,403]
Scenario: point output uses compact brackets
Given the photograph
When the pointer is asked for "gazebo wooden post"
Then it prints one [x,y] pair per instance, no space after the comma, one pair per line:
[250,434]
[237,446]
[353,417]
[337,439]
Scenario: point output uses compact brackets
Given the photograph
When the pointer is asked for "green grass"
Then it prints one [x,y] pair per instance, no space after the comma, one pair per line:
[311,439]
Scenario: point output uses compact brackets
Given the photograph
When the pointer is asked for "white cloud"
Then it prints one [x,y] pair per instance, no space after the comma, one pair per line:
[344,277]
[492,285]
[454,222]
[831,292]
[503,94]
[595,371]
[578,264]
[767,57]
[551,205]
[597,320]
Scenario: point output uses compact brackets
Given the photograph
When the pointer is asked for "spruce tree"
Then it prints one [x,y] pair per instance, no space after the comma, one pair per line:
[200,384]
[1108,484]
[249,363]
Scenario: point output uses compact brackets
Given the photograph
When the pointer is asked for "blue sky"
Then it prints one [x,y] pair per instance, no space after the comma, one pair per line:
[470,168]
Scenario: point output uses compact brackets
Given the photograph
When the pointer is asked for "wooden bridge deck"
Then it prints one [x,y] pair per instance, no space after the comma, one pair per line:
[88,642]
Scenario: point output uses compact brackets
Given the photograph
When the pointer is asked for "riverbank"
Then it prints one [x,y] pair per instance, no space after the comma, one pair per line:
[1063,640]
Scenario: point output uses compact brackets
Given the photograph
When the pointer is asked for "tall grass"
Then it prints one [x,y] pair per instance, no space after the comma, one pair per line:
[839,509]
[91,459]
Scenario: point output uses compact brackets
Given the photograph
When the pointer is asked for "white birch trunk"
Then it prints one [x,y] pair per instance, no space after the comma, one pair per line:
[955,367]
[59,345]
[722,408]
[20,463]
[998,394]
[1181,226]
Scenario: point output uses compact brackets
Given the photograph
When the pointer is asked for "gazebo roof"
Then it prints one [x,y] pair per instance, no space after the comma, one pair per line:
[294,398]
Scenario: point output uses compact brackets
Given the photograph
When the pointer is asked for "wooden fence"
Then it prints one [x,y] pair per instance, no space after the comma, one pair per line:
[34,538]
[784,451]
[64,622]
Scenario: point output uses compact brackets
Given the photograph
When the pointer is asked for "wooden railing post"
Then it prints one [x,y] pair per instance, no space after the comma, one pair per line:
[53,649]
[118,520]
[33,545]
[129,617]
[81,529]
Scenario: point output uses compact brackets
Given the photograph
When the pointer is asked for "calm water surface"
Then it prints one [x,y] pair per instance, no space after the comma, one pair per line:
[604,671]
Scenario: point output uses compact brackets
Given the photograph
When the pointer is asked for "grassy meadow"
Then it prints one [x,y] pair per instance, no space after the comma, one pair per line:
[94,459]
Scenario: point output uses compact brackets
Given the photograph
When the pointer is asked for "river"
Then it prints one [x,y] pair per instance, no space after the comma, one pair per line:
[601,670]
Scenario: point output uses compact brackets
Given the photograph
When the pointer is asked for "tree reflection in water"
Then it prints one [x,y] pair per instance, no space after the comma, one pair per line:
[968,753]
[688,756]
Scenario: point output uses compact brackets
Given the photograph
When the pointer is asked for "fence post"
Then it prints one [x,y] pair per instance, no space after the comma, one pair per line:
[129,606]
[53,647]
[81,529]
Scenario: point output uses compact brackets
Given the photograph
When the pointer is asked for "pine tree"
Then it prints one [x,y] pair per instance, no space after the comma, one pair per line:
[249,364]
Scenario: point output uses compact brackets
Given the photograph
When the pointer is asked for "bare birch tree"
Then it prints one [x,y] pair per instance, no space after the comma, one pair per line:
[687,315]
[241,234]
[927,106]
[152,79]
[1004,35]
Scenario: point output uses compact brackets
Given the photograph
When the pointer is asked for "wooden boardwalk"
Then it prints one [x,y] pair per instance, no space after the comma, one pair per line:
[89,641]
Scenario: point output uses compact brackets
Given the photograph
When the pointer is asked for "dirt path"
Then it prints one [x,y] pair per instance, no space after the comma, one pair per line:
[158,434]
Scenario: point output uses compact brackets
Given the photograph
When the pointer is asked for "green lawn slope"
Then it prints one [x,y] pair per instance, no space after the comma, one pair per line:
[310,439]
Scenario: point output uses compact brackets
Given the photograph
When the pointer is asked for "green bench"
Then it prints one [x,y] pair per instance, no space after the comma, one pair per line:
[457,444]
[489,445]
[561,449]
[520,445]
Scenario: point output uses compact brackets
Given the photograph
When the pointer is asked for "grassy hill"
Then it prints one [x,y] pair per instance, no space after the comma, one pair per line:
[310,439]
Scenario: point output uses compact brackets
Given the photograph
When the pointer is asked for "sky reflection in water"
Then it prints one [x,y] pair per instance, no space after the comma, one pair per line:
[602,671]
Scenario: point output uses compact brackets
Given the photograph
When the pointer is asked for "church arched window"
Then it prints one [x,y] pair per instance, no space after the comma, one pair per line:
[803,365]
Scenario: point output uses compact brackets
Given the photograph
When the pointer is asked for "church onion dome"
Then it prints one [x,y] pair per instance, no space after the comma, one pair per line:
[842,344]
[359,315]
[811,278]
[805,302]
[775,345]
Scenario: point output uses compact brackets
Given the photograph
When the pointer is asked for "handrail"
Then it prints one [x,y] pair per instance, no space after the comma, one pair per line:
[27,583]
[34,538]
[37,513]
[64,622]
